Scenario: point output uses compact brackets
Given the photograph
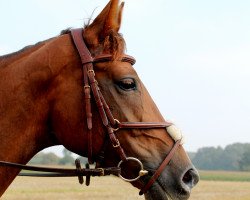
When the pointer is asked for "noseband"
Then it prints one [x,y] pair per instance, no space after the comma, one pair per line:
[112,124]
[109,122]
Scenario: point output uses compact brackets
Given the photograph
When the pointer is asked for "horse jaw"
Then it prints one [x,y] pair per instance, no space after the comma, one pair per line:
[160,192]
[156,192]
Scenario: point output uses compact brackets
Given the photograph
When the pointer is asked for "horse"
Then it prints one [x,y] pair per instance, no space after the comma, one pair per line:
[44,103]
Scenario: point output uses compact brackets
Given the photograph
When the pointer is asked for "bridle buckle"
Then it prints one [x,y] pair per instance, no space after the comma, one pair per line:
[116,126]
[117,144]
[101,171]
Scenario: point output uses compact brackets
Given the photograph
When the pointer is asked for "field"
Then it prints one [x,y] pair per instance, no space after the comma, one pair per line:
[213,186]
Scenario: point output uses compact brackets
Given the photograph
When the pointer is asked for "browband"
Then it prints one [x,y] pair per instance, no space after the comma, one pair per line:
[108,57]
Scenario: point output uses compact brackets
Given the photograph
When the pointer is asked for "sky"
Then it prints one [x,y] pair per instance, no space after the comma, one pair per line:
[193,56]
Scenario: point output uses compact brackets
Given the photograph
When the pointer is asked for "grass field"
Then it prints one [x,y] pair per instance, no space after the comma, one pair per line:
[214,187]
[225,176]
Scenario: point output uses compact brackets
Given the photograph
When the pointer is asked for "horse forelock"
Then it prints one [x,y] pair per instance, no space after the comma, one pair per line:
[114,44]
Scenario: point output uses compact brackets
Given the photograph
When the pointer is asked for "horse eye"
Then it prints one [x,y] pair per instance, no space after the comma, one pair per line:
[127,84]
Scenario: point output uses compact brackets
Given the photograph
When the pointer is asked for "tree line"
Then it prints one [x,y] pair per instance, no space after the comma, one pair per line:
[52,159]
[233,157]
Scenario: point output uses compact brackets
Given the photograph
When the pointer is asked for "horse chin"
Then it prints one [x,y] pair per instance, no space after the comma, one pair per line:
[157,192]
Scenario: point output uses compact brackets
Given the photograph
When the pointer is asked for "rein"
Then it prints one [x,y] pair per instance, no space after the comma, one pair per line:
[110,123]
[64,172]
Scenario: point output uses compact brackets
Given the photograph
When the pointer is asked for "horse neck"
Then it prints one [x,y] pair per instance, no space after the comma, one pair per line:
[25,128]
[43,105]
[18,147]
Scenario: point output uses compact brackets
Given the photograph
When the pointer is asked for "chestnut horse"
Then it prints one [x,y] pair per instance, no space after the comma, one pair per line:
[42,104]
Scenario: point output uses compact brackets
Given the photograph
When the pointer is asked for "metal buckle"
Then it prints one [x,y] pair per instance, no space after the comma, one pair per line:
[116,145]
[91,71]
[86,86]
[142,172]
[117,122]
[101,171]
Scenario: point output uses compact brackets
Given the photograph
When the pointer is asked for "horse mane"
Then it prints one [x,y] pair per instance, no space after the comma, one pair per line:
[7,58]
[29,48]
[20,51]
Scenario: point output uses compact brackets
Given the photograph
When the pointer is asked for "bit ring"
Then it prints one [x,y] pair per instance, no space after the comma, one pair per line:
[142,172]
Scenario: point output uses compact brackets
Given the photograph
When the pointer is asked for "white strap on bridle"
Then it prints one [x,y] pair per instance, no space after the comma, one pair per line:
[175,133]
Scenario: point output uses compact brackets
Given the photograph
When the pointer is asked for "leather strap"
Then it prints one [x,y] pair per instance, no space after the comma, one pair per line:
[160,169]
[143,125]
[89,74]
[63,172]
[108,57]
[86,59]
[83,51]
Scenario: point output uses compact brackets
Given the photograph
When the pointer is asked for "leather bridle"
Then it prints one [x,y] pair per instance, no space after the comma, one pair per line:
[109,122]
[112,124]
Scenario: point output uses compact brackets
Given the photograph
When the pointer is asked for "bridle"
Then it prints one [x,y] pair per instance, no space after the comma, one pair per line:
[111,124]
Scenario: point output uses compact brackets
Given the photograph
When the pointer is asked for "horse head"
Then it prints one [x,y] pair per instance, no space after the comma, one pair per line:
[47,98]
[129,101]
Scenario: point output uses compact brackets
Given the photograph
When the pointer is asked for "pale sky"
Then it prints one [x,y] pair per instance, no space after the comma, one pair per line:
[192,55]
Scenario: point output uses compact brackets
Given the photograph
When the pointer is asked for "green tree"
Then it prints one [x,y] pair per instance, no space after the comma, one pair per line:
[208,158]
[244,162]
[232,154]
[66,152]
[67,158]
[191,155]
[45,159]
[233,157]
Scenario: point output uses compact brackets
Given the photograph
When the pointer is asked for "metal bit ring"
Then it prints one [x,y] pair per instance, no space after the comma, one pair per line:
[142,172]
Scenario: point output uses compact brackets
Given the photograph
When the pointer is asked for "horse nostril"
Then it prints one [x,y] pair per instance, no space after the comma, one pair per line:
[191,178]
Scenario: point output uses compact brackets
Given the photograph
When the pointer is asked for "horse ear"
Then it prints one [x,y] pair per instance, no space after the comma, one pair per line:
[120,14]
[109,20]
[113,20]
